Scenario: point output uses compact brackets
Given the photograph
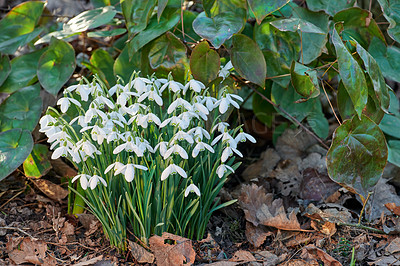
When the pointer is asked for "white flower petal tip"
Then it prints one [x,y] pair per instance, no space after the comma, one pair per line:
[173,169]
[192,188]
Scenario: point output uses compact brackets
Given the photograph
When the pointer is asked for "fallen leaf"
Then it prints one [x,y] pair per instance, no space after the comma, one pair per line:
[92,261]
[68,229]
[312,251]
[332,215]
[63,169]
[172,254]
[242,256]
[268,258]
[51,190]
[391,225]
[298,240]
[89,222]
[316,186]
[256,235]
[29,251]
[262,167]
[327,228]
[261,208]
[140,254]
[383,193]
[393,208]
[299,262]
[394,246]
[293,143]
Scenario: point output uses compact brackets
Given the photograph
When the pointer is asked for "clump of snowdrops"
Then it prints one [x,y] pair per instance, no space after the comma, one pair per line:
[146,159]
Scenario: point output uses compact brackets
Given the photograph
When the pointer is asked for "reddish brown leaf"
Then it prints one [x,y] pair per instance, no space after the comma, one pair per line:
[393,208]
[312,251]
[140,254]
[29,251]
[53,191]
[242,256]
[256,235]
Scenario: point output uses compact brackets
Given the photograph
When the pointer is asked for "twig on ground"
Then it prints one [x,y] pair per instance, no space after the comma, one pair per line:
[20,230]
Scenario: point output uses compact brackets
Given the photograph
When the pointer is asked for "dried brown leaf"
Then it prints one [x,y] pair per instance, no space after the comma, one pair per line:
[63,169]
[53,191]
[312,251]
[140,254]
[166,254]
[29,251]
[68,229]
[242,256]
[393,208]
[394,246]
[256,235]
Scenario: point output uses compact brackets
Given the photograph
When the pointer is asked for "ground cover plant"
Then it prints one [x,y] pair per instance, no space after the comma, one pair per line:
[138,96]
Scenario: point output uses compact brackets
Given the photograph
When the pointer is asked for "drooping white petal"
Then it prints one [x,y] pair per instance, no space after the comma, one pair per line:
[192,188]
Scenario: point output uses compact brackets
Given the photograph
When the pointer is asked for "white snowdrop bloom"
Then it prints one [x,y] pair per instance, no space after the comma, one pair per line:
[113,136]
[94,112]
[221,126]
[201,146]
[143,145]
[186,118]
[129,145]
[143,120]
[171,170]
[224,103]
[81,89]
[132,109]
[65,103]
[222,169]
[87,147]
[228,152]
[114,166]
[198,133]
[51,130]
[46,121]
[83,179]
[80,119]
[174,121]
[226,137]
[192,188]
[163,146]
[179,103]
[61,151]
[128,170]
[94,180]
[115,118]
[241,137]
[173,86]
[158,82]
[124,96]
[209,102]
[116,88]
[182,135]
[152,95]
[194,85]
[225,71]
[140,84]
[201,110]
[97,133]
[102,101]
[60,136]
[176,149]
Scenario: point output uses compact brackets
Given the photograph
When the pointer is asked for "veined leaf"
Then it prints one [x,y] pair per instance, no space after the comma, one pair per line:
[5,68]
[304,80]
[37,164]
[391,11]
[137,14]
[296,24]
[387,58]
[329,6]
[263,8]
[204,63]
[103,61]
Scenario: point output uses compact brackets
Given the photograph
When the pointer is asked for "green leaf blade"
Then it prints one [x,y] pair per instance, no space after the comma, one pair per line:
[204,63]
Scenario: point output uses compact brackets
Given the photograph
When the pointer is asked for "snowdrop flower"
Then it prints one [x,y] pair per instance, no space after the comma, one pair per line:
[172,86]
[97,133]
[209,101]
[198,133]
[94,180]
[101,101]
[95,89]
[222,169]
[46,121]
[226,137]
[114,166]
[117,88]
[228,152]
[129,145]
[163,146]
[186,117]
[94,112]
[241,137]
[87,147]
[60,136]
[132,109]
[221,126]
[65,103]
[176,149]
[174,121]
[224,103]
[192,188]
[225,71]
[171,170]
[201,110]
[140,84]
[82,90]
[194,85]
[128,170]
[152,95]
[201,146]
[124,96]
[182,135]
[61,151]
[113,136]
[179,103]
[84,180]
[80,119]
[143,120]
[143,145]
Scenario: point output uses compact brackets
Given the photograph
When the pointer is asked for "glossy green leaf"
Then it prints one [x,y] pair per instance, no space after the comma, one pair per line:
[56,65]
[124,67]
[329,6]
[190,34]
[15,145]
[18,26]
[387,58]
[37,164]
[394,152]
[358,25]
[318,123]
[101,3]
[204,63]
[296,24]
[391,11]
[207,5]
[351,74]
[390,123]
[91,19]
[137,14]
[304,80]
[248,59]
[219,28]
[66,35]
[160,8]
[22,109]
[262,8]
[378,81]
[238,7]
[106,33]
[104,61]
[263,110]
[23,70]
[358,155]
[168,20]
[5,68]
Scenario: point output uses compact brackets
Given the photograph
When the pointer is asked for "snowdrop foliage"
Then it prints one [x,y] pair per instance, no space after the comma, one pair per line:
[154,136]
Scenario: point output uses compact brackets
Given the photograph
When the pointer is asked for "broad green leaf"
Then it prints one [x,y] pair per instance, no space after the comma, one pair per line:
[313,43]
[21,109]
[263,110]
[318,123]
[394,152]
[103,61]
[168,20]
[219,28]
[390,123]
[190,34]
[23,70]
[262,8]
[137,14]
[378,81]
[91,19]
[66,35]
[329,6]
[106,33]
[351,74]
[124,67]
[207,5]
[296,24]
[238,7]
[358,155]
[288,99]
[56,65]
[101,3]
[37,164]
[304,80]
[391,11]
[5,68]
[387,58]
[358,25]
[15,145]
[18,26]
[248,59]
[160,8]
[204,63]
